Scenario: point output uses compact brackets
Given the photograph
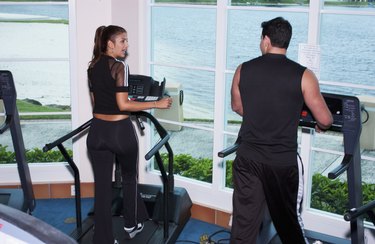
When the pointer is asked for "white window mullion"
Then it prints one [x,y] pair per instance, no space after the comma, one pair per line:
[218,171]
[314,22]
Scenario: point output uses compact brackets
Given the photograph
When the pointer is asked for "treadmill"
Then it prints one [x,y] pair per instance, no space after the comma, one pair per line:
[167,205]
[21,199]
[346,113]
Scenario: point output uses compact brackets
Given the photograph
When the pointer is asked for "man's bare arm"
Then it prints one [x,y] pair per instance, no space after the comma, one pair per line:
[236,102]
[315,101]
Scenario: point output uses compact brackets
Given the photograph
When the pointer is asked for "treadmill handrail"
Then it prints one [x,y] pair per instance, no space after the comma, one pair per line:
[59,141]
[336,172]
[356,212]
[229,150]
[159,128]
[157,147]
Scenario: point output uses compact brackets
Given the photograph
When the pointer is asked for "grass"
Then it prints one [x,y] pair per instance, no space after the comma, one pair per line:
[49,21]
[27,106]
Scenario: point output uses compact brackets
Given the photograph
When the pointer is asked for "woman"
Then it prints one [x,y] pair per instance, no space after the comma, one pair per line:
[112,135]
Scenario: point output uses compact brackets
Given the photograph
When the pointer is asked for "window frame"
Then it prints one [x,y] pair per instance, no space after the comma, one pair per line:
[219,196]
[44,172]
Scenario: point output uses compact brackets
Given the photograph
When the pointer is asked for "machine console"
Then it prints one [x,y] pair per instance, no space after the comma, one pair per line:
[144,88]
[344,109]
[7,91]
[346,114]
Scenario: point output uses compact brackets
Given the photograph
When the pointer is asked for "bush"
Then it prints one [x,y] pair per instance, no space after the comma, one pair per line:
[329,195]
[332,195]
[193,168]
[326,194]
[32,156]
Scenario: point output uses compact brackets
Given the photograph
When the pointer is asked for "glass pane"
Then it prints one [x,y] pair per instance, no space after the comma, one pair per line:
[244,31]
[183,36]
[45,82]
[347,90]
[40,32]
[369,153]
[347,54]
[275,3]
[353,5]
[329,140]
[198,89]
[27,11]
[205,2]
[34,141]
[192,149]
[28,38]
[368,171]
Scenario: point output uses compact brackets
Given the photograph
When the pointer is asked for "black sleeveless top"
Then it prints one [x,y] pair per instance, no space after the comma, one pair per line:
[106,77]
[272,99]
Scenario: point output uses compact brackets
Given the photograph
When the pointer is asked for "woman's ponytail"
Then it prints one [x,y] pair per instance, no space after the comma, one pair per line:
[96,53]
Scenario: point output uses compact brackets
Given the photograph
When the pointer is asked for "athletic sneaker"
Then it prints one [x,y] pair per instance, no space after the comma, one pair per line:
[317,242]
[134,230]
[115,242]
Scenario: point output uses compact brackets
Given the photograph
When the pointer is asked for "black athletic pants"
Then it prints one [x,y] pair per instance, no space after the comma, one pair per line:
[257,185]
[108,141]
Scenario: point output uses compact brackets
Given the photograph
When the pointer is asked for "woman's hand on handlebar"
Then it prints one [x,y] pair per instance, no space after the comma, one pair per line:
[163,103]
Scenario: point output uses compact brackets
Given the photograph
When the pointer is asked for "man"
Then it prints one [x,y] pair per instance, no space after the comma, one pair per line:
[268,92]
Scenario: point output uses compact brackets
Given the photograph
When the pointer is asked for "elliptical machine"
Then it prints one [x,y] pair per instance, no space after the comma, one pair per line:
[168,206]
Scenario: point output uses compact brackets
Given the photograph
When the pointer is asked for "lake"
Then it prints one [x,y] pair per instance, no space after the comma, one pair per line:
[185,36]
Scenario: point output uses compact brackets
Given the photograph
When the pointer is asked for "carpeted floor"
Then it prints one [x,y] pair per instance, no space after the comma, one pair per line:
[60,213]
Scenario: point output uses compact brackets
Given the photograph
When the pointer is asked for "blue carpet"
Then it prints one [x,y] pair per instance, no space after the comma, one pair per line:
[197,231]
[60,213]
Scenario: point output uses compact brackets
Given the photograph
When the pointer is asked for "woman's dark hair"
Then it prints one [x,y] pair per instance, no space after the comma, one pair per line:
[102,35]
[279,31]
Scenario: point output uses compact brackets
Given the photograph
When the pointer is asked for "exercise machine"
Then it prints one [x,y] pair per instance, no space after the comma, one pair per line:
[346,113]
[21,199]
[168,206]
[165,224]
[20,227]
[16,223]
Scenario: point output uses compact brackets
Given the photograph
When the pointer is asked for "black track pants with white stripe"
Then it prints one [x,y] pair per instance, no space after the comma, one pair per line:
[257,185]
[108,141]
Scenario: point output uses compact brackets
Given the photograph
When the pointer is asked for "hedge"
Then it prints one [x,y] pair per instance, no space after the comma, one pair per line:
[326,194]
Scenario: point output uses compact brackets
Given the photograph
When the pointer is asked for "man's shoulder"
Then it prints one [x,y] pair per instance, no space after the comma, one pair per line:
[252,61]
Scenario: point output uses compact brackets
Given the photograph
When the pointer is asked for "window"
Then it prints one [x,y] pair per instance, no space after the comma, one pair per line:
[183,52]
[202,42]
[36,50]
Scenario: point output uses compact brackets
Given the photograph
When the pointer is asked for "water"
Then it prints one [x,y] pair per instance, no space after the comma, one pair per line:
[59,11]
[191,41]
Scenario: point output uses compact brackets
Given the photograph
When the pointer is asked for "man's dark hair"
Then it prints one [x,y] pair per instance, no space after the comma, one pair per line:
[279,31]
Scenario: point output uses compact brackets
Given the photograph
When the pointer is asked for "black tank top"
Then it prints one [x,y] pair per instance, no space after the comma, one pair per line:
[106,77]
[272,99]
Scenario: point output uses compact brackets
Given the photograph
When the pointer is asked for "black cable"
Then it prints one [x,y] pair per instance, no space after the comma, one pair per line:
[209,241]
[215,233]
[366,112]
[221,241]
